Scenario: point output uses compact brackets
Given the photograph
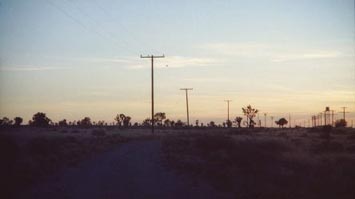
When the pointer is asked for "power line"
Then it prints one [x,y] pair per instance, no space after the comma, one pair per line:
[131,34]
[87,28]
[187,104]
[152,57]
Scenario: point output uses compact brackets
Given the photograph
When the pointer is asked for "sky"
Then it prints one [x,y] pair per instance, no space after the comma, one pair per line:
[77,58]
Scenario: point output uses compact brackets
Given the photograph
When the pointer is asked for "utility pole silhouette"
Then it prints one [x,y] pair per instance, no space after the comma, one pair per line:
[272,121]
[265,114]
[289,119]
[227,108]
[187,104]
[152,57]
[332,117]
[344,112]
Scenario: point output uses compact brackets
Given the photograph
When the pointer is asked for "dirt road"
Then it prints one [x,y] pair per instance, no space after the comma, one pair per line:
[132,170]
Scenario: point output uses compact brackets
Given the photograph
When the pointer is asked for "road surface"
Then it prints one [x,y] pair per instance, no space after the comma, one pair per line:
[131,170]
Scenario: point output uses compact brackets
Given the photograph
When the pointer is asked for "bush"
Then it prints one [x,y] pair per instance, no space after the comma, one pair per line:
[75,131]
[98,132]
[351,137]
[327,147]
[351,148]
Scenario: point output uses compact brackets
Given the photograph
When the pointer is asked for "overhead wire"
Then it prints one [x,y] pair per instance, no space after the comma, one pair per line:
[117,44]
[131,34]
[102,28]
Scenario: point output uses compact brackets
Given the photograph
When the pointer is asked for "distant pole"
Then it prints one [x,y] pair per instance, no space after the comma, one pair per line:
[272,121]
[227,108]
[152,74]
[344,112]
[332,117]
[187,104]
[289,119]
[265,114]
[259,122]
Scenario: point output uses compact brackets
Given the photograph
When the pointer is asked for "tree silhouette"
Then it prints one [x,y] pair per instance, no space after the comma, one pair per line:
[179,123]
[159,117]
[63,123]
[229,123]
[100,123]
[18,121]
[281,122]
[40,120]
[147,122]
[5,121]
[212,124]
[167,123]
[126,121]
[85,122]
[238,121]
[250,113]
[340,123]
[118,120]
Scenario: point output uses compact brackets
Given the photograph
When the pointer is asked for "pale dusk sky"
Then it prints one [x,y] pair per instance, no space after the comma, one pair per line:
[77,58]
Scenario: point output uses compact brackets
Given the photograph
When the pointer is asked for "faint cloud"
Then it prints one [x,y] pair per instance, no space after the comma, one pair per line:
[305,56]
[180,61]
[30,68]
[271,52]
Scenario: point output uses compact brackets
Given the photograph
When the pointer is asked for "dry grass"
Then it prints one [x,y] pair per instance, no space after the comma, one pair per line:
[281,164]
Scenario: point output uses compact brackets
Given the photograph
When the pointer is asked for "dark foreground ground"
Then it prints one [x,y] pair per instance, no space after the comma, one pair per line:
[183,163]
[132,170]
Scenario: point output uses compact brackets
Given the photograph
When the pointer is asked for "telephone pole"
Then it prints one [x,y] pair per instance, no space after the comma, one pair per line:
[187,104]
[344,112]
[265,114]
[152,57]
[227,108]
[272,121]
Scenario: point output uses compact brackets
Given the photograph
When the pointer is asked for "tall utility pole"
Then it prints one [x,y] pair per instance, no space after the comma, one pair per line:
[227,108]
[152,57]
[272,121]
[344,112]
[187,104]
[265,114]
[332,117]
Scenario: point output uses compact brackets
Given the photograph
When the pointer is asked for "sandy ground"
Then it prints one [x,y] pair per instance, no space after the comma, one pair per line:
[131,170]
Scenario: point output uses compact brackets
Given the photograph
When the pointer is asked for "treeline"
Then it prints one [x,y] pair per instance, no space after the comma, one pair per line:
[160,120]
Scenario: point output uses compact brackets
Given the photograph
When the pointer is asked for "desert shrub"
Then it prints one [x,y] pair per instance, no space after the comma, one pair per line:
[64,131]
[258,168]
[327,147]
[340,131]
[351,137]
[98,132]
[75,131]
[219,158]
[350,148]
[314,130]
[304,135]
[283,135]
